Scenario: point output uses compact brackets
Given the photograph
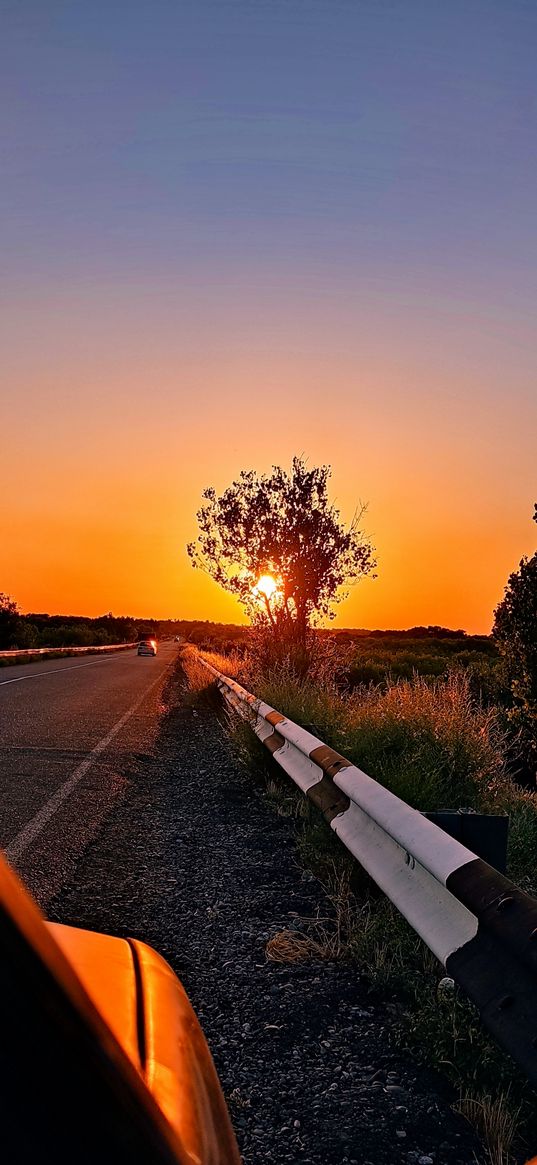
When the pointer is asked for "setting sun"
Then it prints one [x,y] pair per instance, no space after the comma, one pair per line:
[266,586]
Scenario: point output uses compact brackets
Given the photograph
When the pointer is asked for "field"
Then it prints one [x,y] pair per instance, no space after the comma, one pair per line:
[383,659]
[373,656]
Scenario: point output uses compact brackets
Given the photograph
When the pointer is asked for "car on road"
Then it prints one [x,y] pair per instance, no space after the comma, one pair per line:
[147,647]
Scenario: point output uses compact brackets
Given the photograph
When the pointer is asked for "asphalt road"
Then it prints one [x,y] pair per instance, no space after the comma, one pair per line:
[73,731]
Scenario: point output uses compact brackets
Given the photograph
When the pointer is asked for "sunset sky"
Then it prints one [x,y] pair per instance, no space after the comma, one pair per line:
[238,230]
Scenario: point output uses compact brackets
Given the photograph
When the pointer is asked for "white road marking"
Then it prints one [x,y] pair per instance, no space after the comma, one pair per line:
[30,831]
[35,675]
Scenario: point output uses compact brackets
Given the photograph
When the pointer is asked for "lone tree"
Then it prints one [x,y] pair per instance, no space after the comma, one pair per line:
[515,631]
[278,544]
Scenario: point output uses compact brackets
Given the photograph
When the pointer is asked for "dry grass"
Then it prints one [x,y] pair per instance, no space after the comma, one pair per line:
[199,679]
[321,938]
[497,1119]
[287,802]
[340,895]
[431,743]
[292,946]
[231,665]
[328,938]
[201,683]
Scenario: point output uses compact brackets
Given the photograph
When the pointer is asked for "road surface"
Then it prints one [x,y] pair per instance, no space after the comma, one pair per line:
[73,732]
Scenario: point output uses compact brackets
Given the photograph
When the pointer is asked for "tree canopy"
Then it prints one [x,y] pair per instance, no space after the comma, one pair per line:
[281,527]
[9,619]
[515,630]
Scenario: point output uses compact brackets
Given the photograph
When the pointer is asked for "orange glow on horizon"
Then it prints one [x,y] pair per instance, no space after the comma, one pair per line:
[99,518]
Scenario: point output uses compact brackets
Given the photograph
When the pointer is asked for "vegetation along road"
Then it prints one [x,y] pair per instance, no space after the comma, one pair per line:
[128,811]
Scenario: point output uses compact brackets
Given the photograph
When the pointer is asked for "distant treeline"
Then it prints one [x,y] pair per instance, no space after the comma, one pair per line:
[222,636]
[430,632]
[42,630]
[38,629]
[421,638]
[231,637]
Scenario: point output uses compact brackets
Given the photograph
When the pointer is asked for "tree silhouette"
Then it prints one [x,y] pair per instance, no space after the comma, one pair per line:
[281,526]
[515,631]
[9,619]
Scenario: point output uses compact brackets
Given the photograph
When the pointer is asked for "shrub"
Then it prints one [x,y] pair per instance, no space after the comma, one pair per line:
[515,631]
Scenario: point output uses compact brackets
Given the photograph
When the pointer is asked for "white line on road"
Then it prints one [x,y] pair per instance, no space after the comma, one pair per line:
[30,831]
[35,675]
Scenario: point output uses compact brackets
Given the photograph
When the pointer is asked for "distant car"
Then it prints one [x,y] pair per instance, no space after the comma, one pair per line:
[147,647]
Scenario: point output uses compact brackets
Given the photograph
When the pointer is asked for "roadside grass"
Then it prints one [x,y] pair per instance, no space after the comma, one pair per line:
[436,747]
[201,686]
[497,1118]
[231,665]
[431,743]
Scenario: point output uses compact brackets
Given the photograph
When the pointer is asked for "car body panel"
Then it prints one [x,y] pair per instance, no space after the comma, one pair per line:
[104,1059]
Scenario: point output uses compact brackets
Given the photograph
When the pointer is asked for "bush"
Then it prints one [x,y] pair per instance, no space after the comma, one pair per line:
[515,631]
[24,635]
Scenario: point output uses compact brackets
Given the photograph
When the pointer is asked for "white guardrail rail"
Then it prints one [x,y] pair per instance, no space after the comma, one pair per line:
[481,927]
[31,651]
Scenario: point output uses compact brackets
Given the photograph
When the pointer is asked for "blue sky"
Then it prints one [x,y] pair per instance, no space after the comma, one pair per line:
[373,133]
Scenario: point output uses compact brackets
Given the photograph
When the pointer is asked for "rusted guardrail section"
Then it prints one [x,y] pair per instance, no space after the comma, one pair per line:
[28,652]
[481,927]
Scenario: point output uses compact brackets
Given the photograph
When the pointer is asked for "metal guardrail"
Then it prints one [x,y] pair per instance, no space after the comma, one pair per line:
[31,651]
[481,927]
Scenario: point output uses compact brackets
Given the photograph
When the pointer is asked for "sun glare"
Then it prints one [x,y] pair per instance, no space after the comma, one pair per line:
[266,586]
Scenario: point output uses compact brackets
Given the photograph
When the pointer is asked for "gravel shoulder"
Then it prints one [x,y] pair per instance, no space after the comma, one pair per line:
[195,861]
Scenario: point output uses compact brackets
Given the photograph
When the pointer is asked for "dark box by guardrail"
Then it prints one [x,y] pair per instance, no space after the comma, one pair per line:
[484,833]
